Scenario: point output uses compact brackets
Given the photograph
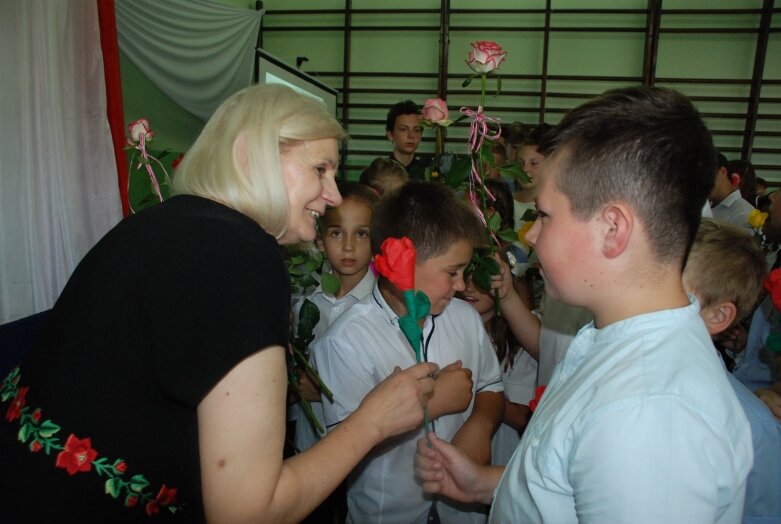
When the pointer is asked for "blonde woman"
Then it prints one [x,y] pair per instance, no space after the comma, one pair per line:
[158,387]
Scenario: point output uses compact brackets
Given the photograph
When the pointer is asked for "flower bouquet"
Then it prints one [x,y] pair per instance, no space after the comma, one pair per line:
[148,180]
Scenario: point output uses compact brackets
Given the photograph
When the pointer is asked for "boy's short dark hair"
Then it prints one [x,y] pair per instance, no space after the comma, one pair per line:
[748,178]
[382,173]
[536,134]
[429,214]
[406,107]
[503,203]
[645,146]
[356,192]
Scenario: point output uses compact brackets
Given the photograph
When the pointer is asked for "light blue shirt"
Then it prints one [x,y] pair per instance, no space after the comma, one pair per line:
[763,489]
[638,424]
[749,369]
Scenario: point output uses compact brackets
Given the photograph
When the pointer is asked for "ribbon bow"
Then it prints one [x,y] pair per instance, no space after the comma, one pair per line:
[478,128]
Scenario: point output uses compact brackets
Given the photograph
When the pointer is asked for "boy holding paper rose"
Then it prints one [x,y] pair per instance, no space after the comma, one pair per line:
[366,344]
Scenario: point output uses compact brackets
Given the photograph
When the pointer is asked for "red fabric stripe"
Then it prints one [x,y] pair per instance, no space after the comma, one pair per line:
[116,115]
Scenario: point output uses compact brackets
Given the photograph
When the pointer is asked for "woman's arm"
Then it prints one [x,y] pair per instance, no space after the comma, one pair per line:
[241,427]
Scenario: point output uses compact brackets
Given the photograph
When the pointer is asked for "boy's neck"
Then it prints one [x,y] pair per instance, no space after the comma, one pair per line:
[404,158]
[393,296]
[348,282]
[637,294]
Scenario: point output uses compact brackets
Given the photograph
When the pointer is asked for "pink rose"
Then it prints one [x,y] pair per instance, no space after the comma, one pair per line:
[485,56]
[140,128]
[435,111]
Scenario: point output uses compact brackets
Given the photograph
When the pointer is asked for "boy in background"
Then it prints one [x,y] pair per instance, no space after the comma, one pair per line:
[725,271]
[638,423]
[365,345]
[403,129]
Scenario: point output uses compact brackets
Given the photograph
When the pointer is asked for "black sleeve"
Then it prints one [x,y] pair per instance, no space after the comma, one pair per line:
[224,297]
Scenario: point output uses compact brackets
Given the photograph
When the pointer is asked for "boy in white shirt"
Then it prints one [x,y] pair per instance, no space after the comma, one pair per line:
[365,345]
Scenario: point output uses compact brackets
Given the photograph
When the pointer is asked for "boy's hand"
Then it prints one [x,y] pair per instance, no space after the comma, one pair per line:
[445,469]
[772,399]
[309,389]
[503,282]
[452,390]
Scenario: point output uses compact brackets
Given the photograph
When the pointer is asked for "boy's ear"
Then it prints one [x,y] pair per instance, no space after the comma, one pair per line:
[719,317]
[618,226]
[389,134]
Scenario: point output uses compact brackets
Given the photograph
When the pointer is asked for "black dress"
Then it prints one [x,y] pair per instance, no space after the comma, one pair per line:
[99,422]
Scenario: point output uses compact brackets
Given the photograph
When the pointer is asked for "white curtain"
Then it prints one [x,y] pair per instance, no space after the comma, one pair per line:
[58,179]
[196,51]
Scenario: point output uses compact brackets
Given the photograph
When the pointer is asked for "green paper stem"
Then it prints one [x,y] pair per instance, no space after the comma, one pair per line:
[413,333]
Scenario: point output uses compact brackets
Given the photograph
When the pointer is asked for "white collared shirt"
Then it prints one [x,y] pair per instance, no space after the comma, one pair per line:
[361,349]
[734,209]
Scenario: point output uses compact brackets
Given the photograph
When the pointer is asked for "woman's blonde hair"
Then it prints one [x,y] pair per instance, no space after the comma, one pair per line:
[236,158]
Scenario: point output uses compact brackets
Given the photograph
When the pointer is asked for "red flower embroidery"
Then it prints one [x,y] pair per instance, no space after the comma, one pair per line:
[121,467]
[773,286]
[537,396]
[36,415]
[77,455]
[165,497]
[397,262]
[35,446]
[131,501]
[15,408]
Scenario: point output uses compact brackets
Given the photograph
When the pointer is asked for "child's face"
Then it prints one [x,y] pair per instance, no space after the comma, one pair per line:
[531,163]
[406,134]
[442,276]
[346,237]
[482,302]
[566,245]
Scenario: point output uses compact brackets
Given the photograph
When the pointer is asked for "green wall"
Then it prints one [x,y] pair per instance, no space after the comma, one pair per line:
[414,50]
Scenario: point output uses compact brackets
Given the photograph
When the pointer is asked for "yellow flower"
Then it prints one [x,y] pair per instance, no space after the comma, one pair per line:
[756,219]
[525,227]
[434,174]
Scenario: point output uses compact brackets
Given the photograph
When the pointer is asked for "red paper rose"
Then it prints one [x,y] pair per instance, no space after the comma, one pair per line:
[397,262]
[165,497]
[77,455]
[15,408]
[773,287]
[537,396]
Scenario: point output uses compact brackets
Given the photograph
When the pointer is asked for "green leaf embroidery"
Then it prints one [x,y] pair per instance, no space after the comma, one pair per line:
[138,483]
[48,428]
[113,487]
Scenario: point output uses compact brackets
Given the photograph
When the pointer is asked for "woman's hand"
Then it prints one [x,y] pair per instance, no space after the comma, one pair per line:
[396,404]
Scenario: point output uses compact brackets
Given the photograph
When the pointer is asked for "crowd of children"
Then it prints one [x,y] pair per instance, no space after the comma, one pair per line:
[638,417]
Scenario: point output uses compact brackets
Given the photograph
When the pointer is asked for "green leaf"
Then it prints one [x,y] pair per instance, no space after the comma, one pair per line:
[24,432]
[48,428]
[486,267]
[508,235]
[498,85]
[330,283]
[459,172]
[113,487]
[467,81]
[494,222]
[296,260]
[308,317]
[138,483]
[530,215]
[460,119]
[486,156]
[513,170]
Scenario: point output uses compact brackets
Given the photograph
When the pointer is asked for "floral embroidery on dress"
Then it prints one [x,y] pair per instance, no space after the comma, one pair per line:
[77,455]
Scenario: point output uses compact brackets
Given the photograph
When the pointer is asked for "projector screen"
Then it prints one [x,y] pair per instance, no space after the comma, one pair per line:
[272,70]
